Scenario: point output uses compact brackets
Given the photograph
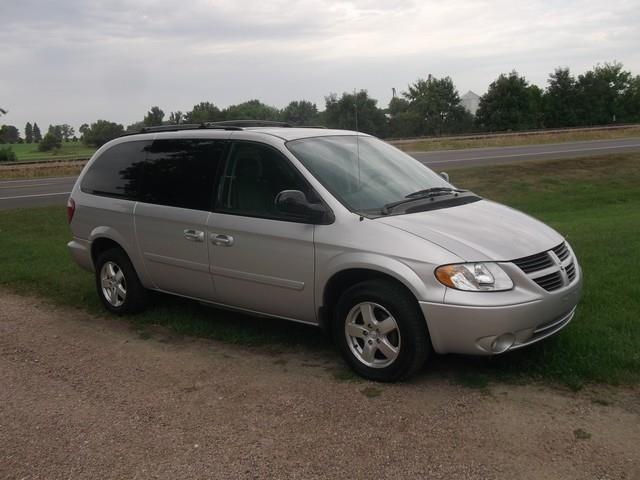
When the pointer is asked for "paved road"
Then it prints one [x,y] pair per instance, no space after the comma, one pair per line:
[36,192]
[54,191]
[499,155]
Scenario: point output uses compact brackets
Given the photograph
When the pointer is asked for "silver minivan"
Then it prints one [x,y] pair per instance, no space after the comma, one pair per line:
[330,228]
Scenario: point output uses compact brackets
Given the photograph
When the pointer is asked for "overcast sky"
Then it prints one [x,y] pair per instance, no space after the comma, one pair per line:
[74,61]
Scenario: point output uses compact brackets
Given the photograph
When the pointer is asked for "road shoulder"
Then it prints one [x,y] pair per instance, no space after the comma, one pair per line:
[85,396]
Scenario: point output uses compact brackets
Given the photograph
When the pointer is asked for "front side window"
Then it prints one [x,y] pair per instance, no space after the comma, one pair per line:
[181,172]
[254,176]
[116,173]
[364,173]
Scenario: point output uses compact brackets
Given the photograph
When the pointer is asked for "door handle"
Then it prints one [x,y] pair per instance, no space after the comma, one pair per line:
[194,235]
[221,239]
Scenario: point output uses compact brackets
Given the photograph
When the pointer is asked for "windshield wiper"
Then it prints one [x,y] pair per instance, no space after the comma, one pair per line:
[425,193]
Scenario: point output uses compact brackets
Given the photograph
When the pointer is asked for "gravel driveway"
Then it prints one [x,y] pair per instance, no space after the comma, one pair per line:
[85,397]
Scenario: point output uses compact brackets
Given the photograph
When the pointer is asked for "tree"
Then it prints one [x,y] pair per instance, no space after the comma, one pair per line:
[341,113]
[560,100]
[300,112]
[510,104]
[435,104]
[202,113]
[101,132]
[175,118]
[251,110]
[9,134]
[601,93]
[84,128]
[631,101]
[135,127]
[67,132]
[403,122]
[37,136]
[55,130]
[50,142]
[28,133]
[154,117]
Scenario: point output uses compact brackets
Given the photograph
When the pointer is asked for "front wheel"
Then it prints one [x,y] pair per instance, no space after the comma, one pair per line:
[380,331]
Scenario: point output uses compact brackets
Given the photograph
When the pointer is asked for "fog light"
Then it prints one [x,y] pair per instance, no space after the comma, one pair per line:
[503,343]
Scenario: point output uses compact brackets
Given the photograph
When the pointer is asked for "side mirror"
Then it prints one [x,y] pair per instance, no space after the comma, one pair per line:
[295,202]
[445,175]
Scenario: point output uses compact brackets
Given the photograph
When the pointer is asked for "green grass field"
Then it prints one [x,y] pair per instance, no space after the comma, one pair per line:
[29,151]
[435,143]
[595,202]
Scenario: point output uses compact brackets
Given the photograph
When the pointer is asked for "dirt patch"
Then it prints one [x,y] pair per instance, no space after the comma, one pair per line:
[43,169]
[86,397]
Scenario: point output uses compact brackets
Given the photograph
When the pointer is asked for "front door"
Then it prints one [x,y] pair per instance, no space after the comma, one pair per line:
[261,260]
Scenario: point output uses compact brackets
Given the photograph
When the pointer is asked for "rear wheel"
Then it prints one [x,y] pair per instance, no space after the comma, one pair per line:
[380,331]
[117,283]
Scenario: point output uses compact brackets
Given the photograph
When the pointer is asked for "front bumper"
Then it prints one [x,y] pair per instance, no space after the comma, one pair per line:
[479,329]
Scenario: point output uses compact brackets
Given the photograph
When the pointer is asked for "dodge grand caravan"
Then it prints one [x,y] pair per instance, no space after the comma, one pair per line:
[330,228]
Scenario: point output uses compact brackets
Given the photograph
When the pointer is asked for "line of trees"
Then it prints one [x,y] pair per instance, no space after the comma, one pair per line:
[606,94]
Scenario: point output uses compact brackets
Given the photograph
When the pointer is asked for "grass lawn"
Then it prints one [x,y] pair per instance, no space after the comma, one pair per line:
[595,202]
[29,151]
[514,140]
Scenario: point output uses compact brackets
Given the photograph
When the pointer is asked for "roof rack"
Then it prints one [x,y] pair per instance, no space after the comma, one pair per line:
[225,125]
[251,123]
[175,128]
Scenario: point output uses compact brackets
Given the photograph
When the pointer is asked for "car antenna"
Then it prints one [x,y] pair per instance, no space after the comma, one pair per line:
[355,104]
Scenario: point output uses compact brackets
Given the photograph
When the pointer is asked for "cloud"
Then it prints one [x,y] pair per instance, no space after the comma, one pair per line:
[75,61]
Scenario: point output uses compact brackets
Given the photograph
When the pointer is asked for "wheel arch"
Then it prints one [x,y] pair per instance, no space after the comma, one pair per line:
[103,238]
[338,280]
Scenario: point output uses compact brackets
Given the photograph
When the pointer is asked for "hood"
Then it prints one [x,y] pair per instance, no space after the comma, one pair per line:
[482,230]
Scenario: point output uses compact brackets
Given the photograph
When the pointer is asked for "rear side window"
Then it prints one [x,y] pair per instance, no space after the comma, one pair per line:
[181,172]
[116,173]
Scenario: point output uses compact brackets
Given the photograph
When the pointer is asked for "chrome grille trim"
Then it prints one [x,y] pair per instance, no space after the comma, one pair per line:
[550,270]
[571,271]
[533,263]
[561,251]
[550,282]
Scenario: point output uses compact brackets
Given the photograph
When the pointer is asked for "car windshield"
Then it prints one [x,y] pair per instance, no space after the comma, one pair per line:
[364,173]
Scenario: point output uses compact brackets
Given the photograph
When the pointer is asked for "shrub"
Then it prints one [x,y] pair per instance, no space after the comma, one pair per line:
[7,155]
[49,142]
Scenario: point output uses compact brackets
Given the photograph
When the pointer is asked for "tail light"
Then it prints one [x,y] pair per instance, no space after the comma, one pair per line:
[71,209]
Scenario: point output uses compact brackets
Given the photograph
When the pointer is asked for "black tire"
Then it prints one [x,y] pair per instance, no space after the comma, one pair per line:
[414,343]
[135,299]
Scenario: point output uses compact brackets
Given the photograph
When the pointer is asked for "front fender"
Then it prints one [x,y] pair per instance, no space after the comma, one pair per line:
[419,284]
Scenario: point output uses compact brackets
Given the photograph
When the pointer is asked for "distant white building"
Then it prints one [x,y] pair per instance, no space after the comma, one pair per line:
[470,101]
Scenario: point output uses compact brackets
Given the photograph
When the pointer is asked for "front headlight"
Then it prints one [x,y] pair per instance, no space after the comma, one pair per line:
[474,277]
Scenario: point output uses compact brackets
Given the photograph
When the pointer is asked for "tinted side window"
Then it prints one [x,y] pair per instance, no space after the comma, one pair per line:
[255,174]
[181,173]
[117,171]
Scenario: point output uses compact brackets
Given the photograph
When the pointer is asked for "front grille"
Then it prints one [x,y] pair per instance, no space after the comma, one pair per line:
[533,263]
[571,271]
[561,251]
[550,282]
[548,269]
